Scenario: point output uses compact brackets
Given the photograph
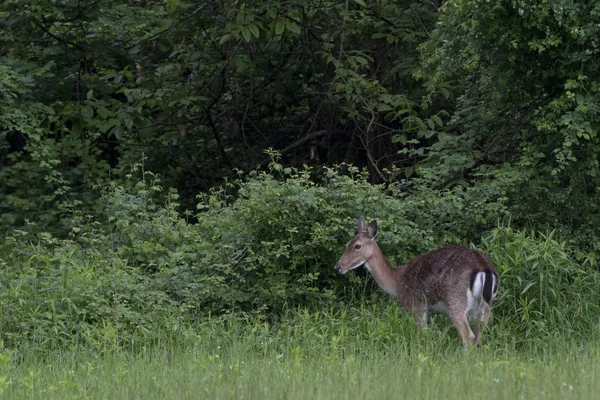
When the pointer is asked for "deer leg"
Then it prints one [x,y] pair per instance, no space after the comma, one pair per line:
[425,318]
[482,318]
[477,332]
[421,317]
[460,322]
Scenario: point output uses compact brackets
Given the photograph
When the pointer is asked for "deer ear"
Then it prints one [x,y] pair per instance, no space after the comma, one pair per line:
[372,228]
[362,225]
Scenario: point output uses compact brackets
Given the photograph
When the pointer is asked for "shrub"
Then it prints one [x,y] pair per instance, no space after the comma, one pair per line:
[55,292]
[141,270]
[544,290]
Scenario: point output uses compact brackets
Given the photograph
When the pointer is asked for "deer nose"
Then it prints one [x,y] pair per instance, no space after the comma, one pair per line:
[337,267]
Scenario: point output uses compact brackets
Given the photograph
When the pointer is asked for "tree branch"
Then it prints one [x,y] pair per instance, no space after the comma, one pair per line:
[217,136]
[294,145]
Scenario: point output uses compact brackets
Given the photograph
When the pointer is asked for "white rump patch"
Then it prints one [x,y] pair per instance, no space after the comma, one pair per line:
[475,296]
[478,284]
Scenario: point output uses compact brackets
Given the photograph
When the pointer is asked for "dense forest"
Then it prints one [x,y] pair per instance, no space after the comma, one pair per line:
[165,160]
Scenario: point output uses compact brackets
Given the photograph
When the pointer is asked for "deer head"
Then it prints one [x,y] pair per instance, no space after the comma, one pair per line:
[360,248]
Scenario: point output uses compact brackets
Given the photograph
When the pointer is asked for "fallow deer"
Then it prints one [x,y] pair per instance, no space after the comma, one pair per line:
[456,280]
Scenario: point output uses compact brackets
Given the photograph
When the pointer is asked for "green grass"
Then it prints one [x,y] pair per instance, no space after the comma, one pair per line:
[363,353]
[191,372]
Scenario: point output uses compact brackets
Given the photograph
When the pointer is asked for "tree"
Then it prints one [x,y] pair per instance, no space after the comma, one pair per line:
[527,90]
[202,88]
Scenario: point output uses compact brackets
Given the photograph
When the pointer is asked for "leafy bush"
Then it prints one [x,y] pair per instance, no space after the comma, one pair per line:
[544,290]
[145,270]
[282,236]
[56,291]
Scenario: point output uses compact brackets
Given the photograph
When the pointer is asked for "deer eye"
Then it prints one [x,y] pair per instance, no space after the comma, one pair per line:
[357,247]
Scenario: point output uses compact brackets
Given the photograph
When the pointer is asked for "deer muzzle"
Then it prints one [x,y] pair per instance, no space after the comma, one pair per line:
[342,268]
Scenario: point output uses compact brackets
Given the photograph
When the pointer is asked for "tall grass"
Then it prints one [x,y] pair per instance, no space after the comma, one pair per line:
[367,352]
[245,304]
[545,291]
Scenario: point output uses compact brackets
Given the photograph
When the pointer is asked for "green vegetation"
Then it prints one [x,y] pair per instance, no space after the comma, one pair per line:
[369,352]
[270,247]
[177,180]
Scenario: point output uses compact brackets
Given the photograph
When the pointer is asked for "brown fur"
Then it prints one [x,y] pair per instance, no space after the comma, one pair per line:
[442,276]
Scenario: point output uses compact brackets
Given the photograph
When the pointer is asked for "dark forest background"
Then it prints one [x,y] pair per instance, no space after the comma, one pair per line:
[187,148]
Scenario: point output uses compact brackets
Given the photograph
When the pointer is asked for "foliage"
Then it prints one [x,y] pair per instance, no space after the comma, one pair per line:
[201,88]
[366,352]
[527,95]
[268,248]
[545,290]
[467,122]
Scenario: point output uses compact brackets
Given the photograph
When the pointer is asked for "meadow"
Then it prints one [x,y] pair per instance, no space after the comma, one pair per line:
[363,352]
[178,179]
[245,303]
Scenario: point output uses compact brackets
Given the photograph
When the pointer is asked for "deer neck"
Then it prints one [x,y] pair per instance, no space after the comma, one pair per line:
[387,277]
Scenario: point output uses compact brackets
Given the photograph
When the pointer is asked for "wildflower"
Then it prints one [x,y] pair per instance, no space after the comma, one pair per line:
[569,386]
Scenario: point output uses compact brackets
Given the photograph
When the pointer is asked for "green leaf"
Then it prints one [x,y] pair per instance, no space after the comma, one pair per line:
[400,138]
[87,113]
[246,34]
[224,38]
[279,26]
[172,5]
[292,27]
[104,112]
[527,288]
[361,2]
[254,30]
[361,60]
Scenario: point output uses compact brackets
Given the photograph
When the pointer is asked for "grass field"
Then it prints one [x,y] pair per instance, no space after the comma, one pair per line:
[369,353]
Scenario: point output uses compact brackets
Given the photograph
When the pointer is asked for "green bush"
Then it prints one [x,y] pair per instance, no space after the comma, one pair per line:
[544,290]
[281,237]
[56,292]
[142,270]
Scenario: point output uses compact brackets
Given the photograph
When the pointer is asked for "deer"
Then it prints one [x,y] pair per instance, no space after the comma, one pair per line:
[454,280]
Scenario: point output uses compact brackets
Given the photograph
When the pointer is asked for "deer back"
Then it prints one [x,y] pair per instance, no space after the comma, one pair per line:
[443,274]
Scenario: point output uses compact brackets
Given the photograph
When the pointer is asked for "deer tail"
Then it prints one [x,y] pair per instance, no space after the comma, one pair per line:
[485,284]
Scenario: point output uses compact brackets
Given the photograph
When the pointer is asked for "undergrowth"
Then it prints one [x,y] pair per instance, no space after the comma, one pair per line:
[143,272]
[369,351]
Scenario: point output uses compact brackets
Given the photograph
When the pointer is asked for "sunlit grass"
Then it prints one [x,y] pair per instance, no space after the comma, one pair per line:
[362,353]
